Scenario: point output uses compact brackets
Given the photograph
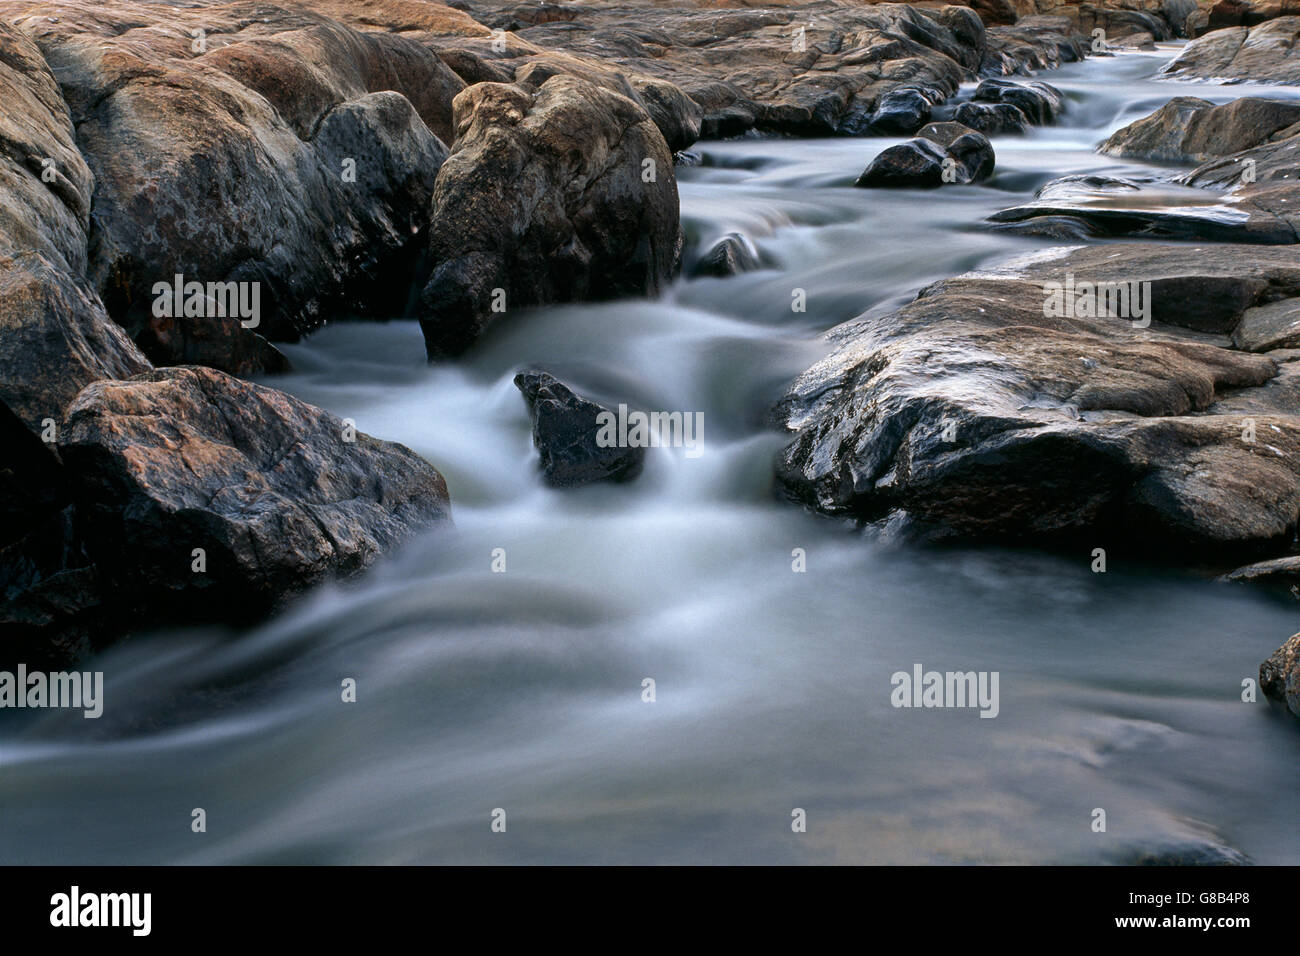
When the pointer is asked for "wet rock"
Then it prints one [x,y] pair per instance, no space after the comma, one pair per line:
[971,149]
[981,407]
[1279,574]
[565,431]
[567,194]
[1040,102]
[1033,43]
[918,163]
[731,255]
[943,153]
[1188,129]
[277,494]
[1279,676]
[901,111]
[1266,53]
[1108,207]
[992,119]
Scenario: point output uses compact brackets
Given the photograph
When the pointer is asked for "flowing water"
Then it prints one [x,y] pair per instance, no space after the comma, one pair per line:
[522,689]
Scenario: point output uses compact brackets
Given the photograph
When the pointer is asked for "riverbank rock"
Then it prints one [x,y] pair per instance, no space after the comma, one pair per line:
[989,409]
[566,430]
[272,147]
[1266,53]
[566,194]
[1192,130]
[943,153]
[1279,676]
[202,497]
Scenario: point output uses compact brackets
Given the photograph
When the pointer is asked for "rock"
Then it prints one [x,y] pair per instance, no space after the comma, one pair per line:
[1034,43]
[1181,16]
[277,494]
[1188,129]
[970,148]
[1268,327]
[1279,574]
[55,337]
[944,152]
[565,430]
[901,111]
[992,119]
[918,163]
[979,409]
[1233,13]
[1266,53]
[1040,102]
[1279,676]
[1108,207]
[545,197]
[222,162]
[729,256]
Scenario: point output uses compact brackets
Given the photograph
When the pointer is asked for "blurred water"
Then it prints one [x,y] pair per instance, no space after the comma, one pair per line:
[522,690]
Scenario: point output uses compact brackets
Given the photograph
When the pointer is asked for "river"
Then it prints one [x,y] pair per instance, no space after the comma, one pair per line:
[522,689]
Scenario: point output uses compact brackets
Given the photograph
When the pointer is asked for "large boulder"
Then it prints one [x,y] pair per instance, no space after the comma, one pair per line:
[202,497]
[1279,676]
[1189,129]
[987,409]
[232,142]
[1267,53]
[566,431]
[563,194]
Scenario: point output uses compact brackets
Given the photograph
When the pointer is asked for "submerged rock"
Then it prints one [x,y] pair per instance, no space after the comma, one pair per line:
[566,432]
[202,497]
[567,194]
[1279,676]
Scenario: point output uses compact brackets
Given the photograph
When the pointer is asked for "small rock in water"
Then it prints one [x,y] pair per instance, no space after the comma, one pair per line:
[565,432]
[992,119]
[1279,676]
[1039,101]
[729,256]
[942,153]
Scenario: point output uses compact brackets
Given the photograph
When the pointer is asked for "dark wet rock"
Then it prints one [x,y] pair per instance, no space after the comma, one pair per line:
[901,111]
[565,431]
[980,409]
[942,153]
[1279,676]
[729,256]
[1188,129]
[992,119]
[1267,53]
[1280,575]
[279,495]
[1188,853]
[1108,207]
[1040,102]
[917,163]
[970,148]
[566,194]
[1267,327]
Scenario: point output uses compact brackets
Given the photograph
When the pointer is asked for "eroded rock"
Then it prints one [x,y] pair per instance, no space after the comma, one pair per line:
[566,431]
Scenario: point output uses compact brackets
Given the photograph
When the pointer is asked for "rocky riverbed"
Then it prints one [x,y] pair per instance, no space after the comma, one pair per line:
[192,195]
